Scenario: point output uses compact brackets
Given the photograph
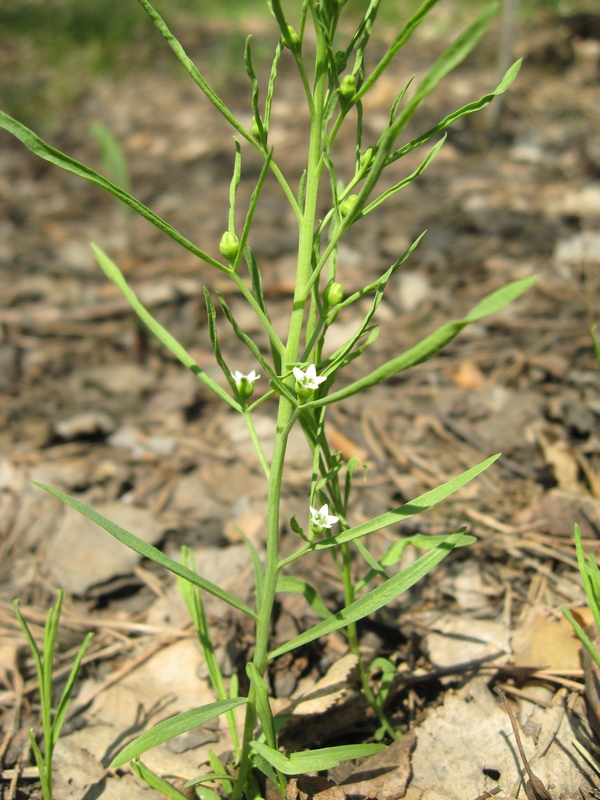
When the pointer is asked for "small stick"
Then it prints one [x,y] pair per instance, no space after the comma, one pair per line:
[534,788]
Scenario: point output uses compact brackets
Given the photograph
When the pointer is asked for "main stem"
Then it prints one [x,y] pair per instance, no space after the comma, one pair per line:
[286,408]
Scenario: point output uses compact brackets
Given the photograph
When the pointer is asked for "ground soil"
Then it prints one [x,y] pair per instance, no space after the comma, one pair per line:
[93,406]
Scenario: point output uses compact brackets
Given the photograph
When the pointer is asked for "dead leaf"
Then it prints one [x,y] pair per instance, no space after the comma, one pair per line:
[346,446]
[468,376]
[384,775]
[336,682]
[561,458]
[313,787]
[546,644]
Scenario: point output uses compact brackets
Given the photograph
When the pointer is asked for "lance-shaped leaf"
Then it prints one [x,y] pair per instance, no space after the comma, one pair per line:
[432,344]
[48,153]
[375,599]
[148,551]
[114,274]
[469,108]
[174,726]
[410,509]
[314,760]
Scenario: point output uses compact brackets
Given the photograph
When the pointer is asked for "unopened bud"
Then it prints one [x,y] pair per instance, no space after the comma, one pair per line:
[333,294]
[348,88]
[229,246]
[348,205]
[366,157]
[294,38]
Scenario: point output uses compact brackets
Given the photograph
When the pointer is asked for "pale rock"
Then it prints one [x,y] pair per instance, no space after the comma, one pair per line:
[81,555]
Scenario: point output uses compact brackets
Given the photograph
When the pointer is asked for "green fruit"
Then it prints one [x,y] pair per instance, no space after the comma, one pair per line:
[348,88]
[333,294]
[229,246]
[348,205]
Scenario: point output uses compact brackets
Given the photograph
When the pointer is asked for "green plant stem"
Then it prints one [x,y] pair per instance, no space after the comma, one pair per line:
[286,410]
[256,442]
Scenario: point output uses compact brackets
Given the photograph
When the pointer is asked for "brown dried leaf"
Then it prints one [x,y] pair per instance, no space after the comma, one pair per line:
[384,775]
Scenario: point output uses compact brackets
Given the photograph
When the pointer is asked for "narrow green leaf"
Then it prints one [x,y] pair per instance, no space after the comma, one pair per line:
[596,343]
[61,711]
[405,181]
[235,182]
[395,551]
[315,760]
[271,84]
[288,583]
[469,108]
[263,708]
[410,509]
[211,315]
[193,71]
[148,551]
[48,153]
[174,726]
[114,274]
[431,345]
[112,157]
[583,637]
[375,599]
[156,782]
[250,215]
[39,760]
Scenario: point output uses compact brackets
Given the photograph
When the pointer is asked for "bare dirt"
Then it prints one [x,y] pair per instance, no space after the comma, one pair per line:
[93,406]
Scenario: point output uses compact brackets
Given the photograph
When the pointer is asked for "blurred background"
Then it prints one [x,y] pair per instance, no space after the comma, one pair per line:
[50,50]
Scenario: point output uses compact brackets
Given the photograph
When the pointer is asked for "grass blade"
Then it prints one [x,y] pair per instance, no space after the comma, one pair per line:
[314,760]
[174,726]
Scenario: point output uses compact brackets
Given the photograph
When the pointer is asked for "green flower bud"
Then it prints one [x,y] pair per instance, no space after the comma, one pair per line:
[348,88]
[333,294]
[366,157]
[229,246]
[340,61]
[255,129]
[348,205]
[294,38]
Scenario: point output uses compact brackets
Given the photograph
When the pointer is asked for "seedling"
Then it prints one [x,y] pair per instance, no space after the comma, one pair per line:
[52,721]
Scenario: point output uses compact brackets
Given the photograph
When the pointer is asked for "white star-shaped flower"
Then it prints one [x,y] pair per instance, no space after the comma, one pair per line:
[245,383]
[307,381]
[322,519]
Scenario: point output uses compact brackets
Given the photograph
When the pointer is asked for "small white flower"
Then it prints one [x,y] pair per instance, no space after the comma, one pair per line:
[245,383]
[308,381]
[322,519]
[238,377]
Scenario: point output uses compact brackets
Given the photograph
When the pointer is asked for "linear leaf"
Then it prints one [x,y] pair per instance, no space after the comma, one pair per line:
[410,509]
[174,726]
[148,551]
[376,598]
[432,344]
[469,108]
[314,760]
[48,153]
[288,583]
[114,274]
